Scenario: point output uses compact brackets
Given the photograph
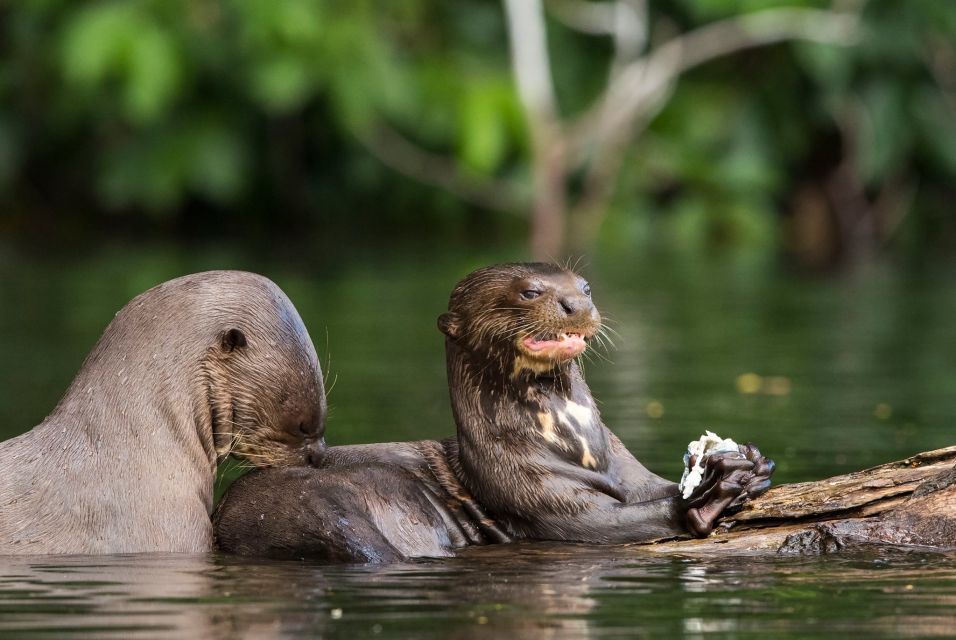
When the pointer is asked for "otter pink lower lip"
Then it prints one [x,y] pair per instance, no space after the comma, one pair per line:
[572,343]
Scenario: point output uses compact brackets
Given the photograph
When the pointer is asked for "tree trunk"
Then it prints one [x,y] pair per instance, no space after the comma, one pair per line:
[549,212]
[908,503]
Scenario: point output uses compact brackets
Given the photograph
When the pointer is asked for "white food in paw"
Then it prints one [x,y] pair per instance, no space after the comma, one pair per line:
[699,449]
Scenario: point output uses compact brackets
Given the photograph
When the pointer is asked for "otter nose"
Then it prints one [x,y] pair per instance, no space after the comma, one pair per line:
[315,452]
[574,304]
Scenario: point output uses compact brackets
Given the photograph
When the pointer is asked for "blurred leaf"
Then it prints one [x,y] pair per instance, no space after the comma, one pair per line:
[109,42]
[689,224]
[94,42]
[884,138]
[937,128]
[482,126]
[830,65]
[748,225]
[893,33]
[201,156]
[281,83]
[9,152]
[218,161]
[749,167]
[154,74]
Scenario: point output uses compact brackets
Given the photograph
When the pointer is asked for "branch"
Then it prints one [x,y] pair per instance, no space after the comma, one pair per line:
[531,67]
[594,18]
[531,64]
[644,79]
[631,24]
[852,501]
[624,20]
[404,156]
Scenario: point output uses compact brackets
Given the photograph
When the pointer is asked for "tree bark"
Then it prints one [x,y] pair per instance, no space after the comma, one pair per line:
[908,503]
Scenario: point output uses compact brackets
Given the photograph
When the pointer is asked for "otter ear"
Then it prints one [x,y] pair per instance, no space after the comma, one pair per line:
[449,324]
[233,339]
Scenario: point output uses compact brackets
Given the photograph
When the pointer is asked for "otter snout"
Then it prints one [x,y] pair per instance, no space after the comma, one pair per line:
[576,305]
[314,452]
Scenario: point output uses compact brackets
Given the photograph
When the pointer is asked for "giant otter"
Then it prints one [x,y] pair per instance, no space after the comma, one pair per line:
[185,374]
[532,459]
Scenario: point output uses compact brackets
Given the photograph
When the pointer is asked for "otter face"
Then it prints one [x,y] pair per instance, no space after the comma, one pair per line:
[266,395]
[538,315]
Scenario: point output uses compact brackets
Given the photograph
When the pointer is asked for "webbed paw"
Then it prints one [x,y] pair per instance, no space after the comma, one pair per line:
[759,483]
[730,479]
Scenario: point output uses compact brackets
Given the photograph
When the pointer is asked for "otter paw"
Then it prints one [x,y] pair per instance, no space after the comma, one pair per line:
[760,482]
[727,477]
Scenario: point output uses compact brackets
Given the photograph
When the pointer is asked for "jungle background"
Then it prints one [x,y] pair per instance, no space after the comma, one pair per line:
[820,131]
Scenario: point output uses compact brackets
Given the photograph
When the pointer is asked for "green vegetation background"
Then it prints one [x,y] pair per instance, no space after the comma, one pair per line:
[204,117]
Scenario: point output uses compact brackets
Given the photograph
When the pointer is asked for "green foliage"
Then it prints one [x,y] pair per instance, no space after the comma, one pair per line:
[121,43]
[154,107]
[202,155]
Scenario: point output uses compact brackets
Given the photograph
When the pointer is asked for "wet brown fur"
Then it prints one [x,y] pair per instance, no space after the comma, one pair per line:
[531,446]
[510,473]
[580,483]
[187,373]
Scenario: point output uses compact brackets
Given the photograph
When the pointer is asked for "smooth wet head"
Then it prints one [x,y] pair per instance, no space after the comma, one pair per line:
[538,315]
[195,369]
[265,384]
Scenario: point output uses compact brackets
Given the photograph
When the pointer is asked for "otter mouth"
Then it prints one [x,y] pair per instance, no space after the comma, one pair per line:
[561,346]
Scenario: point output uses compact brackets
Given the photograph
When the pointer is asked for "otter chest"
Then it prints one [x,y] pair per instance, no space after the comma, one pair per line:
[574,429]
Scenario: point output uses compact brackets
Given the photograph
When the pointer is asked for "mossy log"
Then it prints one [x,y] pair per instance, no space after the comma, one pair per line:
[908,503]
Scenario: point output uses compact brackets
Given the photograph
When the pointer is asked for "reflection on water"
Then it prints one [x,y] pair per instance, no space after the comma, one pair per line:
[534,591]
[825,375]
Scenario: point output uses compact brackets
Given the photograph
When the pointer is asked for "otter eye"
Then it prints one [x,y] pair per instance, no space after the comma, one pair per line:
[530,294]
[587,289]
[303,430]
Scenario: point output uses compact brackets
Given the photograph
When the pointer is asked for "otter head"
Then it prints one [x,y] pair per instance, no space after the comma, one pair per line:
[264,384]
[530,317]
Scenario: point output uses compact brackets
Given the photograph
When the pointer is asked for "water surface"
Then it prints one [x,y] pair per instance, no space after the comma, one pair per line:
[533,591]
[826,375]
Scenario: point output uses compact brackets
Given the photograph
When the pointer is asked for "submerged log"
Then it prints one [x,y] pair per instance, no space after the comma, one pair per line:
[908,503]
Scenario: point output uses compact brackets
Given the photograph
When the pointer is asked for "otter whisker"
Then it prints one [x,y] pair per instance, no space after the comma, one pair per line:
[602,338]
[610,329]
[488,331]
[577,263]
[525,327]
[600,341]
[234,439]
[598,354]
[335,379]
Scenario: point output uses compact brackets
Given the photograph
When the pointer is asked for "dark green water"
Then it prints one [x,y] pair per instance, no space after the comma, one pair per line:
[843,372]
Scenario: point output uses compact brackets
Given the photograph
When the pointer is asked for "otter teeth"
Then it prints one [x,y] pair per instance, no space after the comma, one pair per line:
[563,345]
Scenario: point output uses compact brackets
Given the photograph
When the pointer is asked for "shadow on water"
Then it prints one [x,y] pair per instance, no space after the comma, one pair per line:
[825,375]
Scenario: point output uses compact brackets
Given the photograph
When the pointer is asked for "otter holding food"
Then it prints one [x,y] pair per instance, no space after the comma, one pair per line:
[531,446]
[185,374]
[531,460]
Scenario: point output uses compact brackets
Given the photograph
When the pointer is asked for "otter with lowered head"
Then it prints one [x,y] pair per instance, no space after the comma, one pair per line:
[532,459]
[185,374]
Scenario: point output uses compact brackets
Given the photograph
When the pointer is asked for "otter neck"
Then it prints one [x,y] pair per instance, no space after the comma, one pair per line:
[131,440]
[145,380]
[493,406]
